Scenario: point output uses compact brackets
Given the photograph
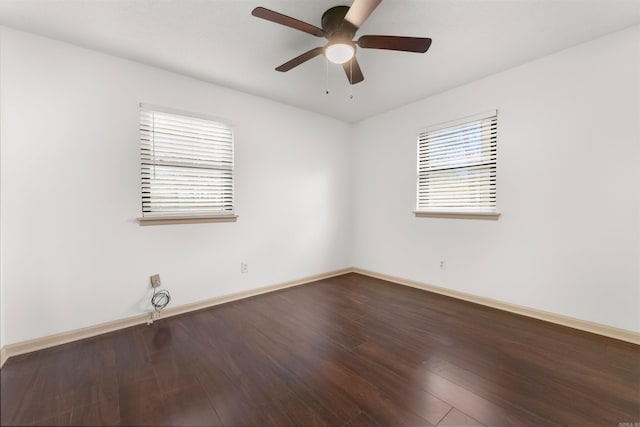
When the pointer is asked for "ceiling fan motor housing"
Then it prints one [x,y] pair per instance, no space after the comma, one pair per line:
[334,25]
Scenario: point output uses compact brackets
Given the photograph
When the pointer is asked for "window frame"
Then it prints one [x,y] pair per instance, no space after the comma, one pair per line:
[186,217]
[421,211]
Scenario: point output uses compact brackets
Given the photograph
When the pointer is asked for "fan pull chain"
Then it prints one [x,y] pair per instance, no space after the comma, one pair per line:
[351,78]
[327,77]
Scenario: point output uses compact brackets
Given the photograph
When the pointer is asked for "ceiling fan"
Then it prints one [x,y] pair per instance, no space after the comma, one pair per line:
[339,26]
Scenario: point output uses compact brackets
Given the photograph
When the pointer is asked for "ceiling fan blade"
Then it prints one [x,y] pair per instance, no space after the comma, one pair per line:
[300,59]
[405,44]
[360,11]
[353,71]
[287,21]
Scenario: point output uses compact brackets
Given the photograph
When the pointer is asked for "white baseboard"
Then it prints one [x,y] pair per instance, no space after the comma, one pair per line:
[583,325]
[102,328]
[90,331]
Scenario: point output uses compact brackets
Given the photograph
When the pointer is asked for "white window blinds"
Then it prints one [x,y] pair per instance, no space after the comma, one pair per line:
[457,166]
[186,163]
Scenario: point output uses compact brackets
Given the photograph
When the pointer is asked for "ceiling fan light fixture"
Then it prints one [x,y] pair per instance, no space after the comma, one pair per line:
[339,52]
[339,27]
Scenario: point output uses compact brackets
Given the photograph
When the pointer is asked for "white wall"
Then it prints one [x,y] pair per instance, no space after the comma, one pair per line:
[568,188]
[72,252]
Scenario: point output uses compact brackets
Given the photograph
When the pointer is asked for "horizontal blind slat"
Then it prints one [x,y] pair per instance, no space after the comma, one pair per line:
[480,132]
[459,145]
[444,132]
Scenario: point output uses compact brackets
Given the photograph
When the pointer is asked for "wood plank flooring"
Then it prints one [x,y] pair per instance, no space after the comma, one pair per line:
[346,351]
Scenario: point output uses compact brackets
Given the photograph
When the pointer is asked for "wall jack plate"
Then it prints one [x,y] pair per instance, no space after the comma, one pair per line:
[155,280]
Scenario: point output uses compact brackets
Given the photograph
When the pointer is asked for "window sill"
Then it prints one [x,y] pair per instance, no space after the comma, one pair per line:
[461,215]
[164,220]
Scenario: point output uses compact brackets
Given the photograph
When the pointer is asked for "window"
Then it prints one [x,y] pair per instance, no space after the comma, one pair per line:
[187,167]
[457,168]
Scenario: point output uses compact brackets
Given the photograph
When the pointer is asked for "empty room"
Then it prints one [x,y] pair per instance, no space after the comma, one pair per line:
[320,213]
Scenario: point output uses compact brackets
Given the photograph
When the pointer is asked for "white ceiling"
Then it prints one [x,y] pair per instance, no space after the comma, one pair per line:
[220,42]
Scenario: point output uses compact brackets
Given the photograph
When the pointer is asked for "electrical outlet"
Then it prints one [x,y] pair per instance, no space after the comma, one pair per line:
[155,280]
[244,268]
[443,265]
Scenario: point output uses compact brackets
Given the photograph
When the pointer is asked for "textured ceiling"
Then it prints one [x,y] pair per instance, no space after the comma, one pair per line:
[220,42]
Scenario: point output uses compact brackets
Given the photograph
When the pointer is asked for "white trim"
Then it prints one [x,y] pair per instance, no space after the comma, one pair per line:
[90,331]
[459,121]
[559,319]
[195,219]
[463,215]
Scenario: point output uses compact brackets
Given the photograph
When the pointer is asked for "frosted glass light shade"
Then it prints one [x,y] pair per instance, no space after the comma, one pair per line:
[339,53]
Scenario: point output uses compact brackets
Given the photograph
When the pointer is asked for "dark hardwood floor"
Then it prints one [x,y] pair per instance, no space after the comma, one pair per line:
[347,351]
